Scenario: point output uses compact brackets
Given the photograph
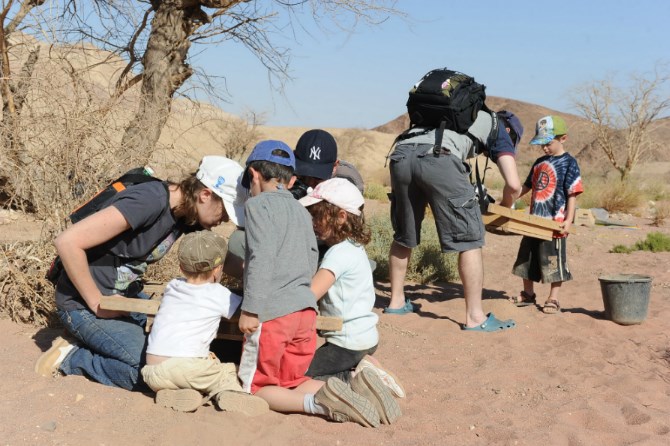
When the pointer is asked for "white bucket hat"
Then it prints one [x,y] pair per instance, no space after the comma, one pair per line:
[223,176]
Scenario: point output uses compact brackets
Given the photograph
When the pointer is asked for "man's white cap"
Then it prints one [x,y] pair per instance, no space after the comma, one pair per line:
[337,191]
[223,176]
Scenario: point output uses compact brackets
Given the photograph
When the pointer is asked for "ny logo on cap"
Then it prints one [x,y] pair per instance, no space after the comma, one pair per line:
[315,153]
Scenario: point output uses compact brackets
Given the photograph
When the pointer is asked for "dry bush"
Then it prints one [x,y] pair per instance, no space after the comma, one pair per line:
[612,195]
[68,132]
[621,197]
[661,212]
[235,137]
[69,135]
[25,294]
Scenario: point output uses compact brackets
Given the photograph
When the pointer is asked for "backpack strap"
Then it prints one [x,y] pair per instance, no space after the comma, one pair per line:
[403,136]
[491,139]
[482,195]
[439,135]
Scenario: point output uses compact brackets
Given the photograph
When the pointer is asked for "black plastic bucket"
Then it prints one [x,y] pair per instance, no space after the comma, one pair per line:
[626,297]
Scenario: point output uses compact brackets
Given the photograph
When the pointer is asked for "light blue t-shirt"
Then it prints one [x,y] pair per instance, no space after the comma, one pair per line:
[351,297]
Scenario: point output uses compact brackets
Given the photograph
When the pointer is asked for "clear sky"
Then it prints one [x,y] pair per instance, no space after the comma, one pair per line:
[527,50]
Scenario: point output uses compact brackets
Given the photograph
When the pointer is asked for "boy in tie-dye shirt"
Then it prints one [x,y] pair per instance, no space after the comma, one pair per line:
[554,182]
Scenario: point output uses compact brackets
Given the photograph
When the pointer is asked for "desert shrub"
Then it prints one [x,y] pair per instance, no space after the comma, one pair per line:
[25,294]
[661,213]
[656,190]
[654,242]
[427,264]
[615,196]
[621,249]
[375,191]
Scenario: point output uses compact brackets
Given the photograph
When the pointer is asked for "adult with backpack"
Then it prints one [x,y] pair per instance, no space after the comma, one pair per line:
[107,252]
[449,125]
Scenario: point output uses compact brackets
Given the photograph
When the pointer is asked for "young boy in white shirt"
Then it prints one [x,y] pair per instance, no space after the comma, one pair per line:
[180,367]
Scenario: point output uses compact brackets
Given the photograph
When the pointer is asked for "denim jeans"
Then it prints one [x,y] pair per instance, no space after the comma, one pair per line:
[111,350]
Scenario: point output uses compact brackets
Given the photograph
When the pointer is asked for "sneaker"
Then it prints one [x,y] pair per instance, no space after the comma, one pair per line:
[242,402]
[367,384]
[181,400]
[389,379]
[50,361]
[345,405]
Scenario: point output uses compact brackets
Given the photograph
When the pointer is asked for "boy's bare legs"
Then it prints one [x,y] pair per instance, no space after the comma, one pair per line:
[552,305]
[285,400]
[334,399]
[528,287]
[471,271]
[398,260]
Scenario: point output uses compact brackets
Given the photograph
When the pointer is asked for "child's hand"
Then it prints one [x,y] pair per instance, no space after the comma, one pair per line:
[248,322]
[565,227]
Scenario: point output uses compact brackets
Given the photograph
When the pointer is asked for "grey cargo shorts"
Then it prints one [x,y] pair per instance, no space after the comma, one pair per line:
[419,178]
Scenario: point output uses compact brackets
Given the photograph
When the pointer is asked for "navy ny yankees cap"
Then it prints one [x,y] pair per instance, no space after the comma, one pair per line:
[315,154]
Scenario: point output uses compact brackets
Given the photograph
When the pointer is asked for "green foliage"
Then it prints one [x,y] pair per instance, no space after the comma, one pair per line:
[375,191]
[427,264]
[622,249]
[655,242]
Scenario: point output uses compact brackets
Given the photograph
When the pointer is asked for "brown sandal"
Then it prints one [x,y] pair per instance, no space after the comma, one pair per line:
[551,307]
[523,299]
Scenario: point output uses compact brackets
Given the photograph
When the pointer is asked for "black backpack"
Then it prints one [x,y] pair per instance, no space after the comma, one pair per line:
[445,99]
[100,200]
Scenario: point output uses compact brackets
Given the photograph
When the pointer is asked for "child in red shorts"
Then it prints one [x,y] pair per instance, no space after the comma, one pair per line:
[279,309]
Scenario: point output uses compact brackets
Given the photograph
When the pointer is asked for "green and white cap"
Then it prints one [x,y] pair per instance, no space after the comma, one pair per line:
[547,129]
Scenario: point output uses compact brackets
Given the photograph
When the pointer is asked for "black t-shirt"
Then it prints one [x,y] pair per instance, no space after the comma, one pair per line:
[153,231]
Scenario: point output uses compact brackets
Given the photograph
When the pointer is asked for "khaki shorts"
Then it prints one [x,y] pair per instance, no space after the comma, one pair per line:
[207,375]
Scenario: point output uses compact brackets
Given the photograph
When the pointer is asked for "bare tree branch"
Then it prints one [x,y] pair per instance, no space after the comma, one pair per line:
[622,116]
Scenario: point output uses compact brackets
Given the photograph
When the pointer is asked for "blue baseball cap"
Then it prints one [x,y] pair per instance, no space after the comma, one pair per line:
[514,124]
[263,151]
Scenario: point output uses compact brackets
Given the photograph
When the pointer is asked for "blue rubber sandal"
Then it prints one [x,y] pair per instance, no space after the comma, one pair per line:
[405,309]
[492,324]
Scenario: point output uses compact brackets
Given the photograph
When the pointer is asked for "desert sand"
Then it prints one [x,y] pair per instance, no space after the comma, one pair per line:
[574,378]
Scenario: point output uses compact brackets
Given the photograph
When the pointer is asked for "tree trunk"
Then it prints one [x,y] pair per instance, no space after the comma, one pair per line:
[165,70]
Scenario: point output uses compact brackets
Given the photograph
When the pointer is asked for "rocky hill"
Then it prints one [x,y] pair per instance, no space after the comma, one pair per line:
[581,142]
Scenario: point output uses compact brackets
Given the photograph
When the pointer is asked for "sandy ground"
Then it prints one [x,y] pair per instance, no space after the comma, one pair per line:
[569,379]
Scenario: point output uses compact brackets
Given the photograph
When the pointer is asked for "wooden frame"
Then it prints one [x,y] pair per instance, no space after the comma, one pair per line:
[228,329]
[506,220]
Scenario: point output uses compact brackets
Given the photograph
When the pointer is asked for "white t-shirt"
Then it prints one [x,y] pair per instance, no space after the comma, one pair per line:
[351,297]
[188,318]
